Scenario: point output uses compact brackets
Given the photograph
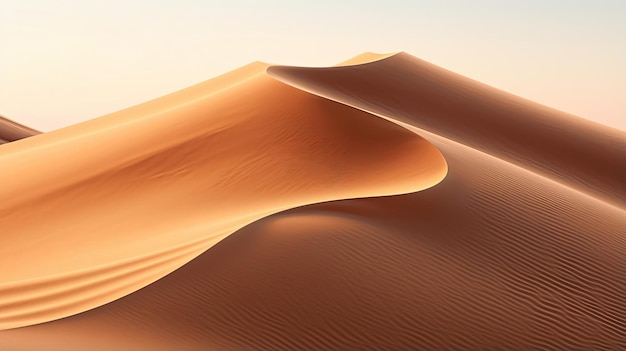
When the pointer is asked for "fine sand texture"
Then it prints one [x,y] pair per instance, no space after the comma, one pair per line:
[381,204]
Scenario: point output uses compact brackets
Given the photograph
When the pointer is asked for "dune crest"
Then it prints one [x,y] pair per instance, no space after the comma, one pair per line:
[364,58]
[576,152]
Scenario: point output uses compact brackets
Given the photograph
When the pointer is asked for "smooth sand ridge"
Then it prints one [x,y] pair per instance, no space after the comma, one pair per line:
[366,57]
[580,153]
[95,211]
[12,131]
[493,258]
[147,109]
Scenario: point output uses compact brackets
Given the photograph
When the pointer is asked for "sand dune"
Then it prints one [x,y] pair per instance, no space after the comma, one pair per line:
[106,222]
[493,239]
[13,131]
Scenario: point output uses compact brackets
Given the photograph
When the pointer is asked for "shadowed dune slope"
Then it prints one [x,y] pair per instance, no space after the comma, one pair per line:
[515,249]
[12,131]
[580,153]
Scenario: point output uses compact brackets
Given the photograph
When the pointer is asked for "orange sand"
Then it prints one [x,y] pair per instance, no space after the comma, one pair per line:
[505,228]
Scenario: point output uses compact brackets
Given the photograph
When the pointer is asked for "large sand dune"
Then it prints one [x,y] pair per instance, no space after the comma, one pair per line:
[200,220]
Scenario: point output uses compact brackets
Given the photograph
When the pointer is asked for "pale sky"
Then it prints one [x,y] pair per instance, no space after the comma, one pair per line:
[66,61]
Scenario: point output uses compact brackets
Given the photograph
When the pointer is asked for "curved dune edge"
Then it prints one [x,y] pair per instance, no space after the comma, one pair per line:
[108,219]
[12,131]
[578,153]
[365,58]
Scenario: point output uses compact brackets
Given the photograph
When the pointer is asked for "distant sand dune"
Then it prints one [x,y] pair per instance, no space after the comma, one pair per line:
[12,131]
[505,229]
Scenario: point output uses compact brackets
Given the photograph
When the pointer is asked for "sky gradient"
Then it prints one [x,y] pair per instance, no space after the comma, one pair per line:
[66,61]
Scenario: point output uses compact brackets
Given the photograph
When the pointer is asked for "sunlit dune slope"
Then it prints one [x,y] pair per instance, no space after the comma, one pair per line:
[95,211]
[12,131]
[521,246]
[577,152]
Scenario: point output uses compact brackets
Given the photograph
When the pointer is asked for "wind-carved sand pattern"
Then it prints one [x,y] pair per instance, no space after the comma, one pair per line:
[381,204]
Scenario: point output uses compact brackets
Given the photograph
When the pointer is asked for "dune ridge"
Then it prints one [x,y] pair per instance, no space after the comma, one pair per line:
[577,152]
[514,249]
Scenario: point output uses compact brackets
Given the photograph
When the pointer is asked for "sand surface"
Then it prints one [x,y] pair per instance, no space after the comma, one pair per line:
[382,204]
